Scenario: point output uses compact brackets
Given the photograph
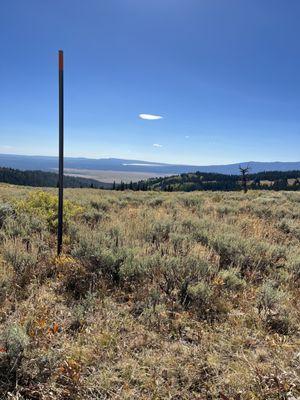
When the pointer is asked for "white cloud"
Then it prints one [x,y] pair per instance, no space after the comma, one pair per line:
[157,145]
[187,137]
[150,117]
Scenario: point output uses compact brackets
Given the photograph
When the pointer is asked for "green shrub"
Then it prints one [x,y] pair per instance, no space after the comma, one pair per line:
[231,280]
[20,259]
[100,205]
[293,264]
[189,225]
[93,251]
[200,294]
[136,268]
[206,304]
[156,202]
[269,298]
[180,243]
[246,253]
[16,340]
[93,216]
[6,210]
[14,227]
[87,244]
[159,231]
[191,201]
[290,226]
[225,210]
[178,273]
[25,225]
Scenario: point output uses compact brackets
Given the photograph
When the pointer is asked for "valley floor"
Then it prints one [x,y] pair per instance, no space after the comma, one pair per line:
[156,296]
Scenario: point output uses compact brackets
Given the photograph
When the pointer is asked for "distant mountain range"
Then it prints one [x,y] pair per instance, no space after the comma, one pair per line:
[46,163]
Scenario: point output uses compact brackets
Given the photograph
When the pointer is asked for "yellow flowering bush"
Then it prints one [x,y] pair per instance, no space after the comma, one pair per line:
[44,205]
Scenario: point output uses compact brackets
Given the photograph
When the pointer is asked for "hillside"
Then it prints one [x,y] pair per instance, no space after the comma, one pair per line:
[47,163]
[272,180]
[45,179]
[157,295]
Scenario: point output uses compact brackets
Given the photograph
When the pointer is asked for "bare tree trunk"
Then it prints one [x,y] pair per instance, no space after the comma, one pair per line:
[244,172]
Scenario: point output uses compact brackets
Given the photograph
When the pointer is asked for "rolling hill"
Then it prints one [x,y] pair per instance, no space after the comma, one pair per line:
[46,179]
[275,180]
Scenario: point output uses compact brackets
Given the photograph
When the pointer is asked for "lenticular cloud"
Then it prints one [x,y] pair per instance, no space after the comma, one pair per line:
[150,116]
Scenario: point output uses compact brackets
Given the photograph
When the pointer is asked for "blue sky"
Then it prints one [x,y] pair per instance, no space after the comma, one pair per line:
[224,74]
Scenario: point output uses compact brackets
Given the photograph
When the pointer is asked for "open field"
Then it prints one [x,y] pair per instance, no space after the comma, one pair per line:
[111,176]
[157,296]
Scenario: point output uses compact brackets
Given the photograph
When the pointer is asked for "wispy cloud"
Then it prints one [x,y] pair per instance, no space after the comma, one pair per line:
[157,145]
[150,117]
[6,147]
[187,137]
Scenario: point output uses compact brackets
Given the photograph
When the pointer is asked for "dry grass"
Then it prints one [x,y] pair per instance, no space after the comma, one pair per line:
[157,296]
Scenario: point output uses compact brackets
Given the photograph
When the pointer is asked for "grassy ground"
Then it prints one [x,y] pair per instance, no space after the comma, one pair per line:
[157,296]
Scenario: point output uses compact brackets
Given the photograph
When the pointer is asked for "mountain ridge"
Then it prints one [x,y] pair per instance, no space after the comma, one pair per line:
[50,163]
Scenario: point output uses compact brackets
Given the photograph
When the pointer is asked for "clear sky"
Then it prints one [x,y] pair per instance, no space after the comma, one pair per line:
[224,74]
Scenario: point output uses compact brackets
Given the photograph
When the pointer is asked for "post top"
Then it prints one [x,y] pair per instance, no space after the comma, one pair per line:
[61,60]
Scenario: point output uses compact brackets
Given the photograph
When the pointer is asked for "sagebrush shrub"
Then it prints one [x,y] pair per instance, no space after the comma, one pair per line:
[22,261]
[204,301]
[159,231]
[232,280]
[6,210]
[200,294]
[93,216]
[156,202]
[136,268]
[281,322]
[269,297]
[100,205]
[16,340]
[191,201]
[293,264]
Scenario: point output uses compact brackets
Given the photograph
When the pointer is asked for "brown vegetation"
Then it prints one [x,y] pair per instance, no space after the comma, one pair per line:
[157,296]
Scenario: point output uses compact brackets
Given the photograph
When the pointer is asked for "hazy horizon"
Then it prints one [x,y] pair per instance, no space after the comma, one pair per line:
[159,163]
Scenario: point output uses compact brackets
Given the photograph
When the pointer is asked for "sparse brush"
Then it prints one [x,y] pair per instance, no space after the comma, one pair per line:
[157,295]
[74,277]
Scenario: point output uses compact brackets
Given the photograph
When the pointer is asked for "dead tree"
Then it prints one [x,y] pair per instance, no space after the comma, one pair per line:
[244,173]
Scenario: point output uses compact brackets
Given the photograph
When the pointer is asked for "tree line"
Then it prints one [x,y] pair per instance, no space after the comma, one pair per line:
[44,179]
[188,182]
